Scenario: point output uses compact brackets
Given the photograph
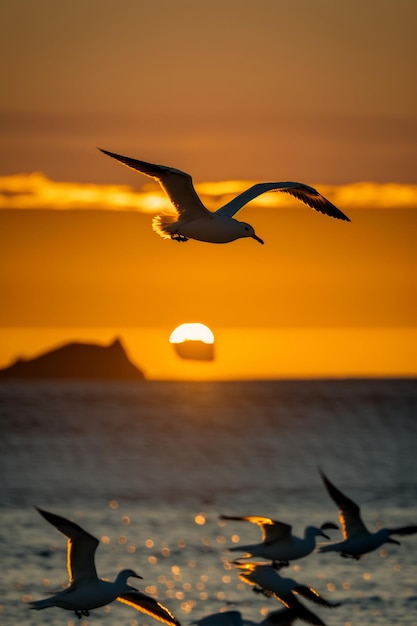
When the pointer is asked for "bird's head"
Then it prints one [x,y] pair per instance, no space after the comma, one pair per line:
[123,576]
[248,231]
[313,531]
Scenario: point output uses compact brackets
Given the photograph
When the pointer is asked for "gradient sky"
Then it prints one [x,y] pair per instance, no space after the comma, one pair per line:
[319,91]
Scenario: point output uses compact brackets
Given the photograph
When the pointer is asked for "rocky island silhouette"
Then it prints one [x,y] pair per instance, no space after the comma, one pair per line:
[77,361]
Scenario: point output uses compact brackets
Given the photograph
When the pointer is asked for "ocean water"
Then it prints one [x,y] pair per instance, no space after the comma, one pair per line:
[149,467]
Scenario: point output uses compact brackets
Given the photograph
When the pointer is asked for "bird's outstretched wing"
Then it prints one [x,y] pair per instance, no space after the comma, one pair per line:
[310,196]
[81,547]
[311,594]
[177,185]
[349,511]
[272,530]
[150,606]
[404,530]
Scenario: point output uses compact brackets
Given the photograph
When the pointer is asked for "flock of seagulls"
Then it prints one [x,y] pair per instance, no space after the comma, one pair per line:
[278,546]
[190,219]
[357,540]
[86,591]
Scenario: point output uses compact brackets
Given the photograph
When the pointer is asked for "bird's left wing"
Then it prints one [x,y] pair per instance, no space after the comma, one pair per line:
[150,606]
[349,511]
[272,530]
[310,196]
[177,185]
[81,547]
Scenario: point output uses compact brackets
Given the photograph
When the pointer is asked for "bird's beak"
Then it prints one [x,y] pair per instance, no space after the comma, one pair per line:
[257,239]
[135,576]
[391,540]
[323,534]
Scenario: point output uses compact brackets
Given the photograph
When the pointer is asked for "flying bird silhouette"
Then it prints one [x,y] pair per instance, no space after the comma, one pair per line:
[85,590]
[266,580]
[278,543]
[192,220]
[357,540]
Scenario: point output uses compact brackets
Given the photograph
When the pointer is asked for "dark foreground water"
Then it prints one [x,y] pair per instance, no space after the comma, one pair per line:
[149,467]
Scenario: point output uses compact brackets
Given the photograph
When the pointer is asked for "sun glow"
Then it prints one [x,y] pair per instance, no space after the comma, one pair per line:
[192,332]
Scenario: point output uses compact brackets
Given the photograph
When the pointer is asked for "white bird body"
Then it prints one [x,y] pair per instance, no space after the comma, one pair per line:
[90,595]
[357,540]
[192,220]
[356,546]
[278,543]
[85,590]
[214,229]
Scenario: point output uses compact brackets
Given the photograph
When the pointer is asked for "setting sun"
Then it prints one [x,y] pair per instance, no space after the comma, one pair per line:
[192,332]
[193,341]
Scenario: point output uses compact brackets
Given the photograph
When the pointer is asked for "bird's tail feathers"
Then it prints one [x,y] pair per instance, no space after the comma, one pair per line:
[246,549]
[41,604]
[162,224]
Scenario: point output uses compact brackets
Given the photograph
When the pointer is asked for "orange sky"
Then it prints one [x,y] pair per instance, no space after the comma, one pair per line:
[321,297]
[318,92]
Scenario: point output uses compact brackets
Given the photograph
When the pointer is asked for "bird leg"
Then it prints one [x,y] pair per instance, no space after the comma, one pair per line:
[82,613]
[355,557]
[265,592]
[178,237]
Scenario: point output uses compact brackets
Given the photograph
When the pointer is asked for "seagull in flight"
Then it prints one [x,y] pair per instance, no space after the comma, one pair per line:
[266,580]
[192,220]
[357,540]
[278,543]
[85,590]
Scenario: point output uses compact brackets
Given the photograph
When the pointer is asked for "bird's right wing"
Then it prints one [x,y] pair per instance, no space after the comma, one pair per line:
[349,511]
[81,547]
[150,606]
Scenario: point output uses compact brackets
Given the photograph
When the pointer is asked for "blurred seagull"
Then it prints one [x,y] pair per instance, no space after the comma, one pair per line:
[194,221]
[278,543]
[357,540]
[85,590]
[265,579]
